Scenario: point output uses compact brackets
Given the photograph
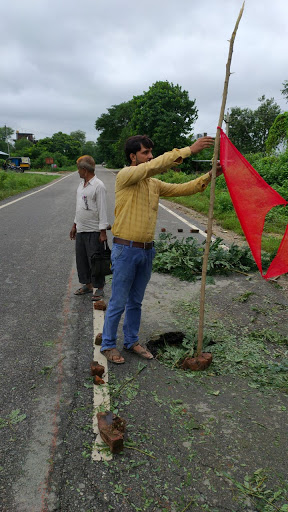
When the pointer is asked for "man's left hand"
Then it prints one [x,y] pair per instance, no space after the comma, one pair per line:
[202,143]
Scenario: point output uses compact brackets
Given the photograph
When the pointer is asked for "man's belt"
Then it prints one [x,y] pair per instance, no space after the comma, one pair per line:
[140,245]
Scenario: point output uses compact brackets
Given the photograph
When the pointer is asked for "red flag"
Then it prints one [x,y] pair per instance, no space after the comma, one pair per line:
[252,198]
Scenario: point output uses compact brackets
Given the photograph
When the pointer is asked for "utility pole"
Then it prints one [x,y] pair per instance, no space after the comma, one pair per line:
[7,141]
[226,119]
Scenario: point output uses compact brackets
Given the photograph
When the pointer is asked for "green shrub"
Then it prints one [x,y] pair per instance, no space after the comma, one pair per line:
[273,169]
[183,258]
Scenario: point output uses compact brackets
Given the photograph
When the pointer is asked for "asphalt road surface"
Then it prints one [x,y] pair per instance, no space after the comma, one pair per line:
[185,433]
[45,344]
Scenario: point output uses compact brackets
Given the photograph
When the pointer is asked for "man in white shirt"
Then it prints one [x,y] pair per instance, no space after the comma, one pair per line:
[89,228]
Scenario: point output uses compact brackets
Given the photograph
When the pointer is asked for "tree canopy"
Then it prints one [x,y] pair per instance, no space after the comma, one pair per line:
[79,135]
[22,145]
[111,126]
[63,148]
[164,113]
[5,136]
[248,129]
[278,133]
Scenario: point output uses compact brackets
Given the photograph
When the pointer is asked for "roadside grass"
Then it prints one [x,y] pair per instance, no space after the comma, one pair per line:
[12,183]
[224,213]
[48,168]
[270,243]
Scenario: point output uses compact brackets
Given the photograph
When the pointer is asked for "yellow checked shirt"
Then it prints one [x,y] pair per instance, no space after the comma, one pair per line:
[137,195]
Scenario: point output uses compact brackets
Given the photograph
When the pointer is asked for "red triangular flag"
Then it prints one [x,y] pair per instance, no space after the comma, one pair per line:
[252,198]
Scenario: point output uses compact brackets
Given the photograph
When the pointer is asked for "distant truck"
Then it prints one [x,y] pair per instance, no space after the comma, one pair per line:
[18,163]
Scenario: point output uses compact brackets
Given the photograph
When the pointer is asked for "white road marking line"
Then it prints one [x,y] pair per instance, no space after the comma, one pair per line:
[35,192]
[101,393]
[186,221]
[191,225]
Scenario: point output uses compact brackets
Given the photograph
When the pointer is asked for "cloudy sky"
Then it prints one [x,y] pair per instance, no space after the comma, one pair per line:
[63,63]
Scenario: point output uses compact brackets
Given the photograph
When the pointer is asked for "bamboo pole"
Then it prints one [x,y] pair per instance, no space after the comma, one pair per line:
[212,191]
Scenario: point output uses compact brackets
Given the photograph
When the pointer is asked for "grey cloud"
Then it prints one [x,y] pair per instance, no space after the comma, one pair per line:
[65,63]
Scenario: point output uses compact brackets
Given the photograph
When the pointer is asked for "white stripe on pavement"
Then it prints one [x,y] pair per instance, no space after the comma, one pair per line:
[101,393]
[35,191]
[186,221]
[192,225]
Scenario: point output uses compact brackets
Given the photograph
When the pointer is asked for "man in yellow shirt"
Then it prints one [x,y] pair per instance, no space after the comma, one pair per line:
[136,205]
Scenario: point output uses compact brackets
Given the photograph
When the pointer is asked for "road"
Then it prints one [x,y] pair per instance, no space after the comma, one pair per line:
[186,432]
[46,335]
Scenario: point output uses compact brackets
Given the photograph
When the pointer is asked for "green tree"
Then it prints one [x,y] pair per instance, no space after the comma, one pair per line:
[248,129]
[79,135]
[21,146]
[59,143]
[110,125]
[63,148]
[66,145]
[90,148]
[278,133]
[5,138]
[241,128]
[284,91]
[166,114]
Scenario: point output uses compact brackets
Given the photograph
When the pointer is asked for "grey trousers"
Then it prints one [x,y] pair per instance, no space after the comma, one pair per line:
[86,245]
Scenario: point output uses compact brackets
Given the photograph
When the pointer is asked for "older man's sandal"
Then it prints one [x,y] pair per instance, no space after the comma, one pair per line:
[83,290]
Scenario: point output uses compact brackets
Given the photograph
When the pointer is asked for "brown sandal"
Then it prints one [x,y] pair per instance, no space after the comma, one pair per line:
[142,351]
[113,355]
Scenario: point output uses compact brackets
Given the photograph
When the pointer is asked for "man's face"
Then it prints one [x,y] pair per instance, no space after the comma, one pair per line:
[142,156]
[82,173]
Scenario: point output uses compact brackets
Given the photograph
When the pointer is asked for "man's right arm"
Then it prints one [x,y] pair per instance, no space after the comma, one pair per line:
[131,175]
[74,227]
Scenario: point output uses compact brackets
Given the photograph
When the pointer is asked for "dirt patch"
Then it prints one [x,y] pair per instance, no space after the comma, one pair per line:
[158,343]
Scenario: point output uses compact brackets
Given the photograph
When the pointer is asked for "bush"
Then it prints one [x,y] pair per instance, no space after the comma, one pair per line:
[273,169]
[183,258]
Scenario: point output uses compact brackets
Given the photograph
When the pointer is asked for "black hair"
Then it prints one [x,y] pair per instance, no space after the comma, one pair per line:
[133,144]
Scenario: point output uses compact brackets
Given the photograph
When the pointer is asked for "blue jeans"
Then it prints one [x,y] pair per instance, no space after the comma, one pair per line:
[132,269]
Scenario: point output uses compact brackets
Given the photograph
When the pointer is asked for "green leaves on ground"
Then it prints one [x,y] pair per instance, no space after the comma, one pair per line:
[264,499]
[13,418]
[259,355]
[183,258]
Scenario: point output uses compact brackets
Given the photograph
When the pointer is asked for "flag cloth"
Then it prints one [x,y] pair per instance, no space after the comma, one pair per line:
[252,198]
